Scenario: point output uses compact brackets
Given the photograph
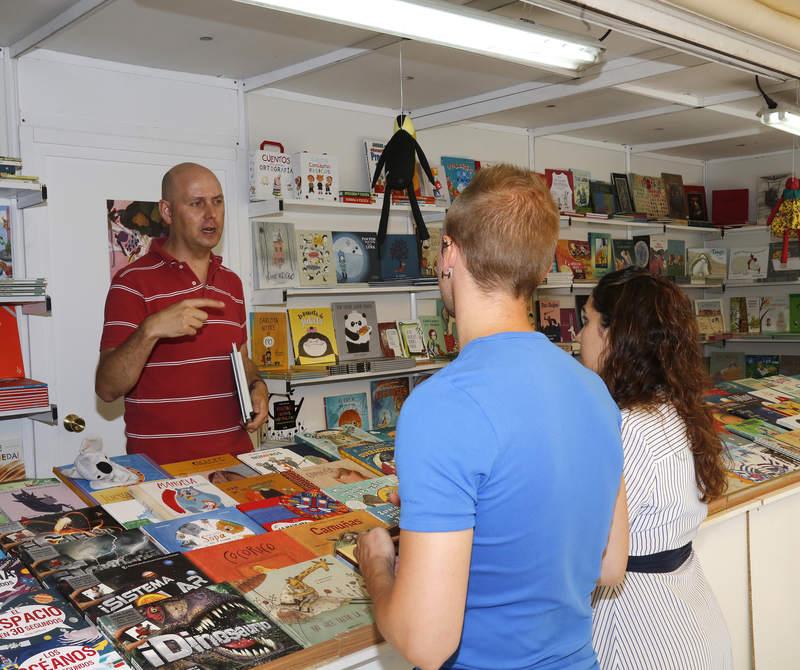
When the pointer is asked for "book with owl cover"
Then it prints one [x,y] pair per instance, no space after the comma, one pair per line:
[281,459]
[212,627]
[71,526]
[262,487]
[216,469]
[275,254]
[313,335]
[315,264]
[285,511]
[371,495]
[202,530]
[388,396]
[356,329]
[314,601]
[348,408]
[344,471]
[400,257]
[269,341]
[377,458]
[325,537]
[356,257]
[43,496]
[174,498]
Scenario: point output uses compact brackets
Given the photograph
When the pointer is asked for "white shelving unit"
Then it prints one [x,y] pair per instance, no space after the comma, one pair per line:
[262,208]
[293,382]
[26,195]
[41,414]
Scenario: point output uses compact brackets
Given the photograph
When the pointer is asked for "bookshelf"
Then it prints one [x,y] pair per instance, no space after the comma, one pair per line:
[26,194]
[277,296]
[262,208]
[41,414]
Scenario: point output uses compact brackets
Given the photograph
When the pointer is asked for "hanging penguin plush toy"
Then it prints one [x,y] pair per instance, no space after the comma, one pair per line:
[399,159]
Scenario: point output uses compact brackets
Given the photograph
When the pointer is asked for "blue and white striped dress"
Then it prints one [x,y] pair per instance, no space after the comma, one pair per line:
[668,621]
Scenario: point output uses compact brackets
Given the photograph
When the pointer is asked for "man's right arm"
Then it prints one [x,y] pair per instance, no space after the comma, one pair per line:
[120,367]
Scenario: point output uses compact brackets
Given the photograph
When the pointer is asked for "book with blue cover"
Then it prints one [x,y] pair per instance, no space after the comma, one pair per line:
[356,257]
[400,257]
[85,649]
[205,529]
[348,408]
[372,496]
[459,173]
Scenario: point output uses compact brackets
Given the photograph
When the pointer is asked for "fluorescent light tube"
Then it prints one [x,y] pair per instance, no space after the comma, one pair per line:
[781,119]
[452,26]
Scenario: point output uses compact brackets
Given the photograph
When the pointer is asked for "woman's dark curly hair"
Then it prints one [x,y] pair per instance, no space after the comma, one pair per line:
[652,356]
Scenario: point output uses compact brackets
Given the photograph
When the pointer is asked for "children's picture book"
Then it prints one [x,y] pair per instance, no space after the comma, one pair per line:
[769,192]
[400,257]
[377,458]
[280,459]
[622,193]
[727,366]
[759,366]
[87,649]
[413,341]
[657,264]
[600,246]
[706,264]
[641,251]
[174,498]
[696,202]
[202,530]
[753,304]
[280,513]
[269,341]
[459,173]
[649,195]
[562,188]
[217,469]
[262,487]
[438,189]
[243,563]
[315,262]
[275,254]
[271,174]
[388,396]
[356,257]
[756,463]
[329,441]
[708,313]
[748,264]
[676,258]
[568,323]
[391,343]
[325,537]
[132,225]
[175,633]
[314,601]
[371,495]
[15,580]
[313,336]
[602,197]
[574,256]
[356,327]
[774,314]
[677,207]
[622,251]
[316,176]
[6,259]
[788,271]
[431,250]
[72,526]
[738,319]
[45,496]
[373,149]
[347,408]
[433,336]
[548,318]
[582,182]
[450,328]
[344,471]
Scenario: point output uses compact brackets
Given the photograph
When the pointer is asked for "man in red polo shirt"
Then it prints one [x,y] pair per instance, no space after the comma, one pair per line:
[170,320]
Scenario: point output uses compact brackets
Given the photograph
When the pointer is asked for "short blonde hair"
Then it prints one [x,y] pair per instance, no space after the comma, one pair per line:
[506,224]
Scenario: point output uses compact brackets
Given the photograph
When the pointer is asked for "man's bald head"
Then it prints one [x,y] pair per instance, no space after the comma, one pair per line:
[181,174]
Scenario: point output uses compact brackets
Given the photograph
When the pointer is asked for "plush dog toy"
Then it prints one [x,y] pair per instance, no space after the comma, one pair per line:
[399,158]
[101,472]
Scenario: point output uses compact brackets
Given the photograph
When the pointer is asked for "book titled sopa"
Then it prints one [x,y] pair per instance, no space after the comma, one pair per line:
[202,530]
[316,177]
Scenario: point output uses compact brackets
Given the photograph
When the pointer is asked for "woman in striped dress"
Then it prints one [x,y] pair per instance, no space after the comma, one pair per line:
[640,335]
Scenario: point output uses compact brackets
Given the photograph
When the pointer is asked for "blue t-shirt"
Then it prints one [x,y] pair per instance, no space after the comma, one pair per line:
[518,441]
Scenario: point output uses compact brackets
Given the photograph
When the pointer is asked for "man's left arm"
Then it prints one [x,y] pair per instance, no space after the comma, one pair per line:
[420,609]
[258,392]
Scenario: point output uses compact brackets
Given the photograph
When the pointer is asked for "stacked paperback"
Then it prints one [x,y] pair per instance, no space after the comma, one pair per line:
[20,288]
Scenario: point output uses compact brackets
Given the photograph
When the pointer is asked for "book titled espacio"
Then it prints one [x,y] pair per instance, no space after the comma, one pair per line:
[173,498]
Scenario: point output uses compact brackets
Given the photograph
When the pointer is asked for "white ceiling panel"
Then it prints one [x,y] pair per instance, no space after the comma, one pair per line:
[22,17]
[708,79]
[767,141]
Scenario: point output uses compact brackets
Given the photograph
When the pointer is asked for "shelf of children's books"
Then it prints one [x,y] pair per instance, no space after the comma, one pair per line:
[41,414]
[645,226]
[772,338]
[25,193]
[734,284]
[277,296]
[323,378]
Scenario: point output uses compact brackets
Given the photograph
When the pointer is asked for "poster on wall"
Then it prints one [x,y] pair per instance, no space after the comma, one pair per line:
[132,224]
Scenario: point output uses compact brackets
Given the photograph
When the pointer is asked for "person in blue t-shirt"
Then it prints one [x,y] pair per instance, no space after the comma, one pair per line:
[510,463]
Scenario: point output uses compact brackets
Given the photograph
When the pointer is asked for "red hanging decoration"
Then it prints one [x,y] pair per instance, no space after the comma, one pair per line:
[785,216]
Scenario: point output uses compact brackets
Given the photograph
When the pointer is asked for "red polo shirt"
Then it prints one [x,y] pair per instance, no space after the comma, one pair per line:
[184,405]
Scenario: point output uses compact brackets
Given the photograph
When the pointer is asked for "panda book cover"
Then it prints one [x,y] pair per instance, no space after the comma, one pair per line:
[356,330]
[174,498]
[140,583]
[313,335]
[347,408]
[62,527]
[212,627]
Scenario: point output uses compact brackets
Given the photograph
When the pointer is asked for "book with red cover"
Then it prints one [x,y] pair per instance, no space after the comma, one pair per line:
[11,357]
[279,513]
[729,207]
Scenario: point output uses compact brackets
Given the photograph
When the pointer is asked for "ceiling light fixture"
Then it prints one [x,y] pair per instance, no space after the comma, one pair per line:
[781,117]
[449,25]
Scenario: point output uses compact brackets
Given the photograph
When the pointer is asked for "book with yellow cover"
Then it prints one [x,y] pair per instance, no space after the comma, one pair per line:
[313,336]
[327,536]
[217,469]
[262,487]
[269,341]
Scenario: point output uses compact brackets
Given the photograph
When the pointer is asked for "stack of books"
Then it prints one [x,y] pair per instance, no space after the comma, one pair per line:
[16,288]
[23,394]
[9,170]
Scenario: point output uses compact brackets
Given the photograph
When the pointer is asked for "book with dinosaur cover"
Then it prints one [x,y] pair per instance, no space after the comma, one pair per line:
[356,257]
[275,254]
[356,327]
[108,591]
[377,458]
[212,627]
[202,530]
[216,469]
[269,341]
[279,513]
[315,263]
[262,487]
[313,335]
[61,527]
[315,600]
[44,496]
[388,396]
[348,408]
[173,498]
[343,471]
[325,537]
[280,459]
[371,495]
